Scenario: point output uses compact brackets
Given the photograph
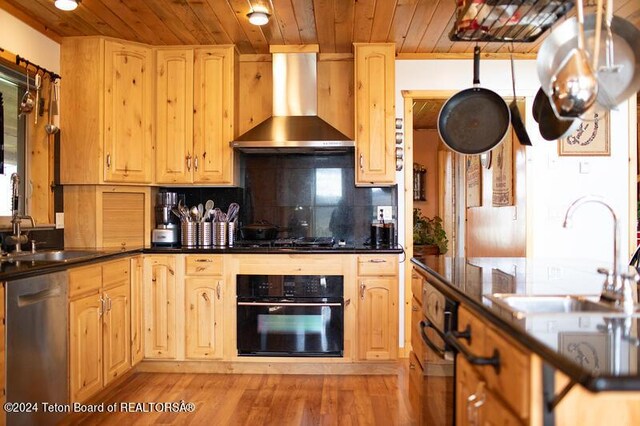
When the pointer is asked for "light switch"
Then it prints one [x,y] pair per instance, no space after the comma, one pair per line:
[59,220]
[387,212]
[585,167]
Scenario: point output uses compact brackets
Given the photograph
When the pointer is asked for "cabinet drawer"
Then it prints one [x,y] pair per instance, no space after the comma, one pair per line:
[377,265]
[115,273]
[512,383]
[203,265]
[416,287]
[477,342]
[85,280]
[416,337]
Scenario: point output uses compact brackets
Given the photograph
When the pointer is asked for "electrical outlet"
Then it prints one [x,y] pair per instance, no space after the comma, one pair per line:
[387,212]
[59,220]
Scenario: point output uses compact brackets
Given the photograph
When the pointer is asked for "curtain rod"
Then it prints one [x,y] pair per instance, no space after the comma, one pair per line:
[21,60]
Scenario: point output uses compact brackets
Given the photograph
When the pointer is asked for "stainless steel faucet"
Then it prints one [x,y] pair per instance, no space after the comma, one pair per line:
[618,285]
[17,238]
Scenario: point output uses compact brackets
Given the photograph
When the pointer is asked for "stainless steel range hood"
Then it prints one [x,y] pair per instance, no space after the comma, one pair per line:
[295,126]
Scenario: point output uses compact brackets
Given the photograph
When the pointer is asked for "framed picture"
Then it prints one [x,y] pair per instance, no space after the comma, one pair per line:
[589,349]
[591,138]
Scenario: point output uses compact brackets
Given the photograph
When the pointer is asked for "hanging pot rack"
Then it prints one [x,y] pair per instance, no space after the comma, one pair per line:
[521,21]
[25,63]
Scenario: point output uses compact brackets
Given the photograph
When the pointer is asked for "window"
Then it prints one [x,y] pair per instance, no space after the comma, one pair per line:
[12,87]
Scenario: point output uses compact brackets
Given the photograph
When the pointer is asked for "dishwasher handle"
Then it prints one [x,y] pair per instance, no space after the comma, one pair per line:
[441,352]
[33,298]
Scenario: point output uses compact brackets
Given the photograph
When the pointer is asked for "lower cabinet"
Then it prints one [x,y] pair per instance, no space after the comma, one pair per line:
[160,307]
[99,321]
[203,329]
[137,313]
[377,307]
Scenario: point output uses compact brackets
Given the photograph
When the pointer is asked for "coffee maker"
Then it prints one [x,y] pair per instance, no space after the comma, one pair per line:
[166,232]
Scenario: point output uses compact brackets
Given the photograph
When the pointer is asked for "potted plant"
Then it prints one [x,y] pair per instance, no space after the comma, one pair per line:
[429,237]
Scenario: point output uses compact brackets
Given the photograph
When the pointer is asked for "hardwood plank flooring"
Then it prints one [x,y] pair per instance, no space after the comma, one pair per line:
[259,399]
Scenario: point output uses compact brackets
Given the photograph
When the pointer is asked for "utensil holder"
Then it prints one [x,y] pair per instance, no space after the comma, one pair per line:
[220,239]
[188,234]
[205,230]
[231,228]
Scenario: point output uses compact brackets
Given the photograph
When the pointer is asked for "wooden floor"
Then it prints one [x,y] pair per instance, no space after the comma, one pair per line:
[255,399]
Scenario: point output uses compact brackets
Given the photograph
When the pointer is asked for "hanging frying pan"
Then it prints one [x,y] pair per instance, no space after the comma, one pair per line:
[551,127]
[475,120]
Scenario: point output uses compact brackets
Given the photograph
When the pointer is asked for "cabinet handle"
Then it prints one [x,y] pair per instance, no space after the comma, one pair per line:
[347,302]
[101,308]
[189,162]
[108,303]
[108,161]
[195,162]
[412,366]
[494,361]
[475,401]
[361,160]
[218,290]
[377,261]
[363,288]
[203,260]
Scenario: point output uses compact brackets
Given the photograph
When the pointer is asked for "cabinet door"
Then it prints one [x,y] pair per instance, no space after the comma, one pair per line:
[378,318]
[85,338]
[375,113]
[204,317]
[116,333]
[128,96]
[213,115]
[137,333]
[160,307]
[174,115]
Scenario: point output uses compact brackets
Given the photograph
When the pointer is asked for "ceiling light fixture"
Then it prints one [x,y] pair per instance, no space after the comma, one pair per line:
[66,4]
[258,18]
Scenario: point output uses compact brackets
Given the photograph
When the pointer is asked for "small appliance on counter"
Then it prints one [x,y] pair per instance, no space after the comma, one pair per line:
[382,233]
[166,232]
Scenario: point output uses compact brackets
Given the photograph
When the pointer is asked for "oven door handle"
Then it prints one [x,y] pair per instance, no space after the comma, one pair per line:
[439,351]
[286,304]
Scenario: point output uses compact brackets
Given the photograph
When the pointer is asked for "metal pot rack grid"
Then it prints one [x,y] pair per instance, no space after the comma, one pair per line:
[521,21]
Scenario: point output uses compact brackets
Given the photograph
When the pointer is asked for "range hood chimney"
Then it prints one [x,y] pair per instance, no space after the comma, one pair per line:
[295,125]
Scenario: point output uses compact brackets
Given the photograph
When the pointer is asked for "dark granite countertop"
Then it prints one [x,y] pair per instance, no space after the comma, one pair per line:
[15,269]
[597,350]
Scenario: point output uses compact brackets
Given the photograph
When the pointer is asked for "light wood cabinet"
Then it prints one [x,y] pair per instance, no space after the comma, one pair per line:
[203,329]
[375,113]
[85,319]
[160,307]
[107,116]
[195,115]
[99,321]
[377,318]
[102,216]
[137,315]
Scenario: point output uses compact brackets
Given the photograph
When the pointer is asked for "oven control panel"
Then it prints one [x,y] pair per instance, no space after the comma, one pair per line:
[290,286]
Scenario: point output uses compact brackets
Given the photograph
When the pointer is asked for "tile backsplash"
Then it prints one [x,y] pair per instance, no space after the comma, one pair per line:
[305,195]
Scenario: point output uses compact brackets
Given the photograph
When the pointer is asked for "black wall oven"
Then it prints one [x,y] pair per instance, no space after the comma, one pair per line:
[290,315]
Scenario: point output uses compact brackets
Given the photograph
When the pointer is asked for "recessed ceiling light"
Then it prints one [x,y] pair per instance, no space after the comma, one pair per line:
[258,18]
[66,4]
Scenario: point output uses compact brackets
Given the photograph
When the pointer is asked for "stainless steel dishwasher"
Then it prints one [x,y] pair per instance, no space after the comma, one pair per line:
[37,342]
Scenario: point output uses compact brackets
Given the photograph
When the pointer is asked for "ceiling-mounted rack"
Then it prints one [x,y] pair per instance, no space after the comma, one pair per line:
[521,21]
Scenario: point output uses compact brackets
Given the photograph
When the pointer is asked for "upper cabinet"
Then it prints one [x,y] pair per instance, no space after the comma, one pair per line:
[195,115]
[375,113]
[106,111]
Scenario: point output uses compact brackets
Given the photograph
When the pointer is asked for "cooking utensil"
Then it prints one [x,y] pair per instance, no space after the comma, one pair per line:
[619,86]
[474,120]
[37,100]
[574,87]
[26,104]
[232,212]
[200,212]
[261,230]
[50,127]
[194,214]
[551,127]
[516,119]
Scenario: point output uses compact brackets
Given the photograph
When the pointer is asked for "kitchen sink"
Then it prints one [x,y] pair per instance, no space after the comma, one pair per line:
[522,305]
[54,256]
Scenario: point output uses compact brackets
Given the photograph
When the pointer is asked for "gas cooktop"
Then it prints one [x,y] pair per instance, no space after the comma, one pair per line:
[302,242]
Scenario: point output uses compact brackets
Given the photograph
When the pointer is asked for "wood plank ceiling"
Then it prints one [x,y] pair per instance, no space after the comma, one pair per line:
[416,26]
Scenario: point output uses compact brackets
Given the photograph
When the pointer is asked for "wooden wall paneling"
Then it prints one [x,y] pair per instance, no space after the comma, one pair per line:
[344,21]
[363,21]
[230,25]
[81,116]
[287,21]
[210,21]
[500,231]
[254,34]
[80,221]
[306,21]
[116,16]
[401,20]
[162,33]
[336,94]
[382,19]
[39,196]
[324,24]
[420,24]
